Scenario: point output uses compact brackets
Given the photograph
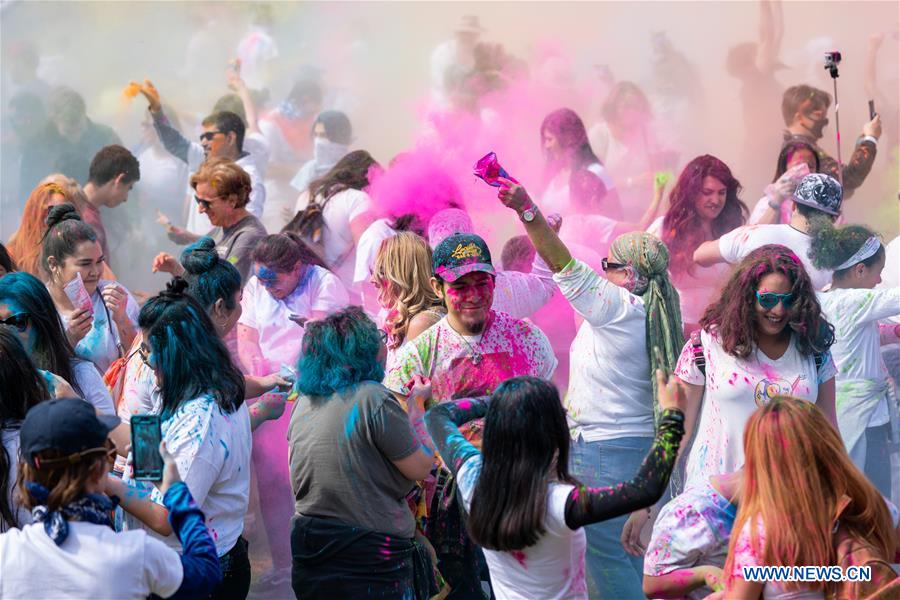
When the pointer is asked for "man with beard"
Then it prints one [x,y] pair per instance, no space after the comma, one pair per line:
[805,109]
[466,354]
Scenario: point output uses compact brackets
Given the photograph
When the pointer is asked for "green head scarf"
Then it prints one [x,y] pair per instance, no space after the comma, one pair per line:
[648,260]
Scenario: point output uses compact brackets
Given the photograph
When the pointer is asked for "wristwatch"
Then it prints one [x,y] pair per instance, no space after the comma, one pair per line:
[529,214]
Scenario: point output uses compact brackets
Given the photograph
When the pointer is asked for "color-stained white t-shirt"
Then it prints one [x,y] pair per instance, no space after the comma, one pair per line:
[692,529]
[734,389]
[279,337]
[340,210]
[609,395]
[469,366]
[93,562]
[738,243]
[101,343]
[212,451]
[552,568]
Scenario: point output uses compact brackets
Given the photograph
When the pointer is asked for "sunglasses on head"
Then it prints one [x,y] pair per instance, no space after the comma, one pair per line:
[207,136]
[611,265]
[19,321]
[769,300]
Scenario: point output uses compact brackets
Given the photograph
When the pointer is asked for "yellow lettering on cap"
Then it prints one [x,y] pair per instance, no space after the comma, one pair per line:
[469,251]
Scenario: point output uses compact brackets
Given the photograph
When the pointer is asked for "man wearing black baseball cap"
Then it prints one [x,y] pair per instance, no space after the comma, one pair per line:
[817,197]
[466,354]
[71,548]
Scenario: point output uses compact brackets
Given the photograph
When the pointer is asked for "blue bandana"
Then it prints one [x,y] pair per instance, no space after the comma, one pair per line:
[92,508]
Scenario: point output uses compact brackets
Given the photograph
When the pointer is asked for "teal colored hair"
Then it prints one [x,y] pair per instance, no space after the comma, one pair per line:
[339,351]
[188,356]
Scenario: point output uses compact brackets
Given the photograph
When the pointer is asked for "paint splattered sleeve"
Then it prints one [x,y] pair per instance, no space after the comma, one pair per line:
[593,297]
[589,505]
[443,422]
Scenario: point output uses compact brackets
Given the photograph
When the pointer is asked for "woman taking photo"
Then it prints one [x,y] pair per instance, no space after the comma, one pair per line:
[703,205]
[855,306]
[796,471]
[575,180]
[346,211]
[27,308]
[629,312]
[354,455]
[205,425]
[101,332]
[765,336]
[402,276]
[525,509]
[72,548]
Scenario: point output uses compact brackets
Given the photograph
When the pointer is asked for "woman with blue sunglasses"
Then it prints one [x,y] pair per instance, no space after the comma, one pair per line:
[765,336]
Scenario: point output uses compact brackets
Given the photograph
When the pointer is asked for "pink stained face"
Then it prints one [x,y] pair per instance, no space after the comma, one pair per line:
[800,156]
[469,299]
[712,198]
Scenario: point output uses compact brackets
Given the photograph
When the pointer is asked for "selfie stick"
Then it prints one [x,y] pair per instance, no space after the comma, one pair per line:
[831,65]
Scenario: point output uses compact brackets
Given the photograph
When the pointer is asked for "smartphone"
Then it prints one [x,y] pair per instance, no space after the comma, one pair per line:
[872,112]
[145,438]
[661,362]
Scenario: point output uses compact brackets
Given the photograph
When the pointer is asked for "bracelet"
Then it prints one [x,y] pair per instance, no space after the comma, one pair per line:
[774,205]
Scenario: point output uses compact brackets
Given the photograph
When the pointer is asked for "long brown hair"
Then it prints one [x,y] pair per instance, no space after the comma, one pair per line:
[734,312]
[796,472]
[682,231]
[351,172]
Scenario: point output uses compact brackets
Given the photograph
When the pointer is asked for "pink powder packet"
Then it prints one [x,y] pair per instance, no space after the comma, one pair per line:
[78,295]
[490,171]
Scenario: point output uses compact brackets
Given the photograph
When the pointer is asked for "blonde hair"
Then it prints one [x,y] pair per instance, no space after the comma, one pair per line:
[230,181]
[796,472]
[403,265]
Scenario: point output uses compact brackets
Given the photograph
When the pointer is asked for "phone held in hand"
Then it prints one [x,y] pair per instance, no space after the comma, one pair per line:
[146,434]
[872,113]
[78,295]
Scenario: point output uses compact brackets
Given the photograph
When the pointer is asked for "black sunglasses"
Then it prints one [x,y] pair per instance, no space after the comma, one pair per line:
[19,321]
[207,136]
[611,265]
[201,202]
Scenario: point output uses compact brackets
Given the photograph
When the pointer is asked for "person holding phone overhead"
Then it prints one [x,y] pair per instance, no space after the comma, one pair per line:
[205,424]
[628,312]
[105,323]
[71,549]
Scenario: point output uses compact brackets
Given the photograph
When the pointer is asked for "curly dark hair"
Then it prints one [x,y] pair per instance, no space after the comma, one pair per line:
[682,229]
[351,172]
[734,313]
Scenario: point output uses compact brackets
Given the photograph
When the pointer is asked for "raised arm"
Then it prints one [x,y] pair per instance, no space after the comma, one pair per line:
[176,144]
[240,88]
[771,31]
[546,241]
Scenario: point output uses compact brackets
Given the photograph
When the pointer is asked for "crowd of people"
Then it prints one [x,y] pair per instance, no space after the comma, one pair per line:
[651,391]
